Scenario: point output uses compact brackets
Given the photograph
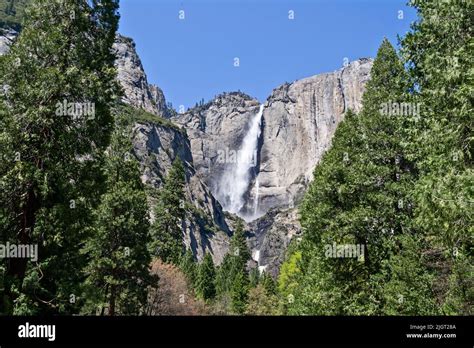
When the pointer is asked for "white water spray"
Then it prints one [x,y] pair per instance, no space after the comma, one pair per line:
[236,179]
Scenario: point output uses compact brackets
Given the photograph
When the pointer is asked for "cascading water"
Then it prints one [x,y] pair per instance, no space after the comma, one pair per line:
[236,179]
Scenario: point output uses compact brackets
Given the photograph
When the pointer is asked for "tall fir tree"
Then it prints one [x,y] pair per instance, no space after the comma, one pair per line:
[50,174]
[238,246]
[119,269]
[254,277]
[189,267]
[360,195]
[239,292]
[439,56]
[232,277]
[205,282]
[169,215]
[224,275]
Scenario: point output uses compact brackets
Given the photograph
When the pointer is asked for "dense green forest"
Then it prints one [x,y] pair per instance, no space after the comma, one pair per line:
[12,13]
[398,181]
[395,190]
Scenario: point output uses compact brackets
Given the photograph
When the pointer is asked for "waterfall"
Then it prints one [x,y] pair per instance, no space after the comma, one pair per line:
[236,179]
[256,255]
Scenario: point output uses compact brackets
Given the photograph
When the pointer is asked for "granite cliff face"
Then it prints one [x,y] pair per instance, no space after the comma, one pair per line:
[157,144]
[216,131]
[7,37]
[137,91]
[156,147]
[299,121]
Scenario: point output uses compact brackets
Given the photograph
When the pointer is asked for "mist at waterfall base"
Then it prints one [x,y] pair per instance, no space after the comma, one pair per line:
[234,187]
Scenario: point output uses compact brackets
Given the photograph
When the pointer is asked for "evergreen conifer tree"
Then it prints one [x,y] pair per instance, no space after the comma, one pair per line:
[440,60]
[188,266]
[119,269]
[359,195]
[205,282]
[50,171]
[169,214]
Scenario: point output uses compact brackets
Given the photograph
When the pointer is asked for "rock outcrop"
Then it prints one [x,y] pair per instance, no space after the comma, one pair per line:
[137,91]
[130,73]
[7,37]
[156,147]
[299,121]
[269,237]
[215,131]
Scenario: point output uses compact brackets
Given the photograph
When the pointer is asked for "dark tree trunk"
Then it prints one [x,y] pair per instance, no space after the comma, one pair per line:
[112,300]
[17,266]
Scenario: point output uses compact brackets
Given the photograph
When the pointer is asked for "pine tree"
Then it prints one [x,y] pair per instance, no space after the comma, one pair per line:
[188,266]
[224,275]
[359,195]
[169,214]
[119,270]
[205,286]
[440,59]
[239,292]
[238,246]
[51,172]
[254,276]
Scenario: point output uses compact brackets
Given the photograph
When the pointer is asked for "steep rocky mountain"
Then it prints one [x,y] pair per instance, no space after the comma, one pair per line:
[297,124]
[299,121]
[295,128]
[157,142]
[137,91]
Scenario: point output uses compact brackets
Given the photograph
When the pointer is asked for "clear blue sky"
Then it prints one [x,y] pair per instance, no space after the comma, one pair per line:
[193,58]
